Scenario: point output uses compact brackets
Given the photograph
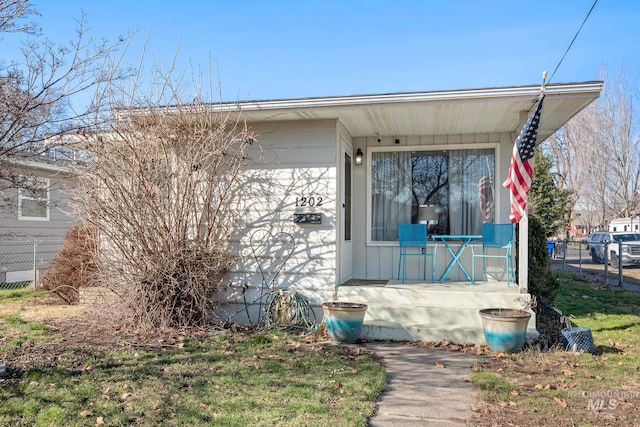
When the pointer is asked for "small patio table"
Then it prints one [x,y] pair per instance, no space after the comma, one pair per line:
[464,240]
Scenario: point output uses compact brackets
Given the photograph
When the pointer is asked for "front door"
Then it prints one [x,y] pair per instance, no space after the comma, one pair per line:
[346,245]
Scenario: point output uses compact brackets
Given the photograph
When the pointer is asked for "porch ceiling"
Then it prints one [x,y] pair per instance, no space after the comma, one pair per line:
[431,113]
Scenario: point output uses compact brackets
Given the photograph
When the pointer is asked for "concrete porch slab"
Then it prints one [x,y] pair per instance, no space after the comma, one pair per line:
[419,311]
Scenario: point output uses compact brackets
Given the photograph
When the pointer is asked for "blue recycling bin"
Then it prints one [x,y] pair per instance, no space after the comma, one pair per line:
[550,246]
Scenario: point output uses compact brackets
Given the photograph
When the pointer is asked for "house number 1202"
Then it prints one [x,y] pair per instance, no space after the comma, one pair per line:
[312,201]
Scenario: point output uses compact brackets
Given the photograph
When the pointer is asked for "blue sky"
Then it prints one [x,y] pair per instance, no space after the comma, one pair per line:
[291,49]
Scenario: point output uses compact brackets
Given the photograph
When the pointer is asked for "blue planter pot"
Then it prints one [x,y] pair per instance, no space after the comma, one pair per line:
[505,330]
[344,320]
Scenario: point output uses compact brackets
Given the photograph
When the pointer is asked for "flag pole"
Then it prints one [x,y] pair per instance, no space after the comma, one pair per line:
[523,235]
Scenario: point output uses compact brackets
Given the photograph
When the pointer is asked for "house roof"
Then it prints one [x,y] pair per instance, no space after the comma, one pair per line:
[40,164]
[431,113]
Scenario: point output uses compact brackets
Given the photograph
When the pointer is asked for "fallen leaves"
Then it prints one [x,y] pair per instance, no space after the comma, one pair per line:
[587,374]
[106,394]
[561,402]
[545,387]
[617,345]
[477,408]
[478,350]
[88,413]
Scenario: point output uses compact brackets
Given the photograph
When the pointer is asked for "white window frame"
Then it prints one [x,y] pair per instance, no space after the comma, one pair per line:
[24,195]
[446,147]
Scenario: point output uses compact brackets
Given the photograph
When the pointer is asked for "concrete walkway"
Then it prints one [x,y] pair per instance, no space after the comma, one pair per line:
[426,386]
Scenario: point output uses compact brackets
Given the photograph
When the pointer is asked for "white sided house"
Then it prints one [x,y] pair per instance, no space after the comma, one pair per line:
[338,175]
[625,224]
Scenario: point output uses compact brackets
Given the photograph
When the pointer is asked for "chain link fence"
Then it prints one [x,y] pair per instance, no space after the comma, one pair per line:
[576,257]
[23,263]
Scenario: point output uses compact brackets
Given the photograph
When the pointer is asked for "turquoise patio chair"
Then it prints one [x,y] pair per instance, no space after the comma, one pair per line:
[413,242]
[495,238]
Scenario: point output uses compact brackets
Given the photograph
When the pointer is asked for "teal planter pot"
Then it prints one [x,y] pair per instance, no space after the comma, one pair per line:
[505,330]
[344,320]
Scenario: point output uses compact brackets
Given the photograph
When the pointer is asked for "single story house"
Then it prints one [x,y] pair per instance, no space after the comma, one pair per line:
[338,174]
[625,224]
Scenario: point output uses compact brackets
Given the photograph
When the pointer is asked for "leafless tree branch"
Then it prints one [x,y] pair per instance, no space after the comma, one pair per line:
[47,93]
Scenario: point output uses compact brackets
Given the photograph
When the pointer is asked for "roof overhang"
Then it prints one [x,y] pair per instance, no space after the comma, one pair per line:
[431,113]
[36,165]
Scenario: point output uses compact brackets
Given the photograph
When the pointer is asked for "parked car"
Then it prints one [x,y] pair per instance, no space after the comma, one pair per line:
[588,240]
[630,247]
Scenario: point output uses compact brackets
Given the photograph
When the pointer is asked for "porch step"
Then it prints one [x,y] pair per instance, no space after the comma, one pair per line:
[431,312]
[386,331]
[423,314]
[425,323]
[480,295]
[379,330]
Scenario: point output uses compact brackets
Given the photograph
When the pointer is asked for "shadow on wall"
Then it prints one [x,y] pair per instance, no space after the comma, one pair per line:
[273,251]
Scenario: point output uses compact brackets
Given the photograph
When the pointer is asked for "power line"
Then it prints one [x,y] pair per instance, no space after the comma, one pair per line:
[574,39]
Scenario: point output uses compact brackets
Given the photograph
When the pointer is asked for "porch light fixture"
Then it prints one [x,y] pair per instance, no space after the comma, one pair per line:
[359,157]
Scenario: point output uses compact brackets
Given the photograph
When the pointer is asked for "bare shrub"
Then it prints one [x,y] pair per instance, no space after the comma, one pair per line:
[73,267]
[160,195]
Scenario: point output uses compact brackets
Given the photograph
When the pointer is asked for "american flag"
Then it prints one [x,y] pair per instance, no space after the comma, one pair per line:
[485,190]
[521,169]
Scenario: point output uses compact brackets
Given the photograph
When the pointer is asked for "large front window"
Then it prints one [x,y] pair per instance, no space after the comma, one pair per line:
[452,191]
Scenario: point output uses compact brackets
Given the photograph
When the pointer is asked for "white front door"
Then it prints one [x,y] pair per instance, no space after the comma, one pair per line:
[346,245]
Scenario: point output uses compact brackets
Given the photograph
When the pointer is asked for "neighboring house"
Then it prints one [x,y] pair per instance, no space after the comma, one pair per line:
[33,222]
[363,164]
[625,224]
[583,223]
[578,228]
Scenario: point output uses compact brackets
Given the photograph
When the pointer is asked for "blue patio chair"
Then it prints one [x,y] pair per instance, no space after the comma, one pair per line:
[496,238]
[414,237]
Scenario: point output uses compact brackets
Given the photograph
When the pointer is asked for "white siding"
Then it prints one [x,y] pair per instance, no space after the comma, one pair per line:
[298,159]
[292,160]
[624,224]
